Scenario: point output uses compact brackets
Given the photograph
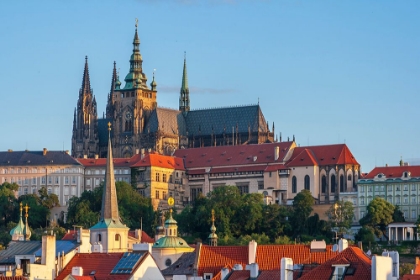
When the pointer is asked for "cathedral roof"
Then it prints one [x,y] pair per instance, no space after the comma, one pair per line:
[168,121]
[223,120]
[32,158]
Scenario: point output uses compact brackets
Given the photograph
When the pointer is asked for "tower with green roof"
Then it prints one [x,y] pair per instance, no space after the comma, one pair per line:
[110,232]
[17,232]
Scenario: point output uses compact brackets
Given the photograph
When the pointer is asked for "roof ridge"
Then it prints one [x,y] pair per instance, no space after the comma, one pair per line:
[226,107]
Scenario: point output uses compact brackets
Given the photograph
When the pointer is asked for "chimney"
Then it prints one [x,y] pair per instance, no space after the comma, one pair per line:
[96,156]
[137,151]
[67,152]
[286,270]
[237,267]
[255,158]
[77,271]
[253,270]
[395,257]
[276,153]
[381,268]
[342,244]
[44,151]
[360,245]
[142,247]
[142,153]
[252,251]
[85,156]
[48,252]
[224,273]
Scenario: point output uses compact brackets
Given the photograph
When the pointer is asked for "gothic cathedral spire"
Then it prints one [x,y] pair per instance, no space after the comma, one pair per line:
[184,97]
[110,103]
[85,127]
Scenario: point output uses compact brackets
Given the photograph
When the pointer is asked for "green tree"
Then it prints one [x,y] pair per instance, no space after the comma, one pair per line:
[301,209]
[365,235]
[398,215]
[340,216]
[275,221]
[48,200]
[38,214]
[379,215]
[8,203]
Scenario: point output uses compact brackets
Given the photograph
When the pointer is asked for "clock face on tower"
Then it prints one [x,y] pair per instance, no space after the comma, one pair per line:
[128,115]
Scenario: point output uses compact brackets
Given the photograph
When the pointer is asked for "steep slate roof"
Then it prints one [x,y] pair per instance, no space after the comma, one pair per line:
[394,171]
[157,160]
[18,248]
[213,258]
[32,158]
[269,256]
[166,120]
[221,120]
[222,156]
[336,154]
[183,266]
[353,256]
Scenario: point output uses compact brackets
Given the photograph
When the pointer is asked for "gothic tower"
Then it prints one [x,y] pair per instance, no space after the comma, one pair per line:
[110,232]
[85,126]
[184,97]
[129,107]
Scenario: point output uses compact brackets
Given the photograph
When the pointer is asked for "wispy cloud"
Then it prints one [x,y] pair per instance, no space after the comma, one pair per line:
[196,90]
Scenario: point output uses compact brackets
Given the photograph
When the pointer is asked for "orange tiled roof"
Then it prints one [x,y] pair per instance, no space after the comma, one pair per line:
[354,256]
[269,256]
[304,158]
[328,154]
[213,258]
[70,235]
[233,155]
[101,263]
[239,275]
[394,171]
[407,277]
[417,269]
[160,161]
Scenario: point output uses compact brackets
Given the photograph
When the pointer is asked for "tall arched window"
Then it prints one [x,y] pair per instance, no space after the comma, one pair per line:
[99,237]
[324,184]
[307,182]
[294,184]
[342,183]
[333,183]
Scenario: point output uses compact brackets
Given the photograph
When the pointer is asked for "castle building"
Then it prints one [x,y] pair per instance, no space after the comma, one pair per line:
[138,122]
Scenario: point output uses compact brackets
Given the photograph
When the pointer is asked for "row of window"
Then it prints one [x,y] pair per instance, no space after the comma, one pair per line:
[42,180]
[164,177]
[39,170]
[390,188]
[397,200]
[102,171]
[405,213]
[307,183]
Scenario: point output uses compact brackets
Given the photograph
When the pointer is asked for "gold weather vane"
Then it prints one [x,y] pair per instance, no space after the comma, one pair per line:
[137,22]
[212,215]
[26,210]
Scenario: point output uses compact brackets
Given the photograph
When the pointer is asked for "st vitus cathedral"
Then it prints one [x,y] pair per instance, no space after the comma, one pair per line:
[138,123]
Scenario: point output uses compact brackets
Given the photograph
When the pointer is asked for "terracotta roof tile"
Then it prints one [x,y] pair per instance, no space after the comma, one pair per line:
[239,275]
[269,275]
[157,160]
[328,154]
[233,155]
[407,277]
[101,263]
[304,158]
[354,256]
[394,171]
[213,259]
[70,235]
[269,256]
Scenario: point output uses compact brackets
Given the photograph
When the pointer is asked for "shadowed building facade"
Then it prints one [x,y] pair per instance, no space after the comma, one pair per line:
[138,123]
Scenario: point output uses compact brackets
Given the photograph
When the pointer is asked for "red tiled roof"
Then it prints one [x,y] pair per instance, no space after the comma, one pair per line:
[212,259]
[394,171]
[160,161]
[417,269]
[100,262]
[239,275]
[233,155]
[12,277]
[70,235]
[269,275]
[352,255]
[269,256]
[275,167]
[407,277]
[304,158]
[101,162]
[83,277]
[327,154]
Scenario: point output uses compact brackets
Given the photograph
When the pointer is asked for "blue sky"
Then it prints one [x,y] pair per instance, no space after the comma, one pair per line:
[325,71]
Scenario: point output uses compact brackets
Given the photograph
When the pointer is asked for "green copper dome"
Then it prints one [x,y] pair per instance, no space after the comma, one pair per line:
[171,242]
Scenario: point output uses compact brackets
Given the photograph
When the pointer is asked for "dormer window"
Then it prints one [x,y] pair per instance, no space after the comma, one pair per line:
[339,272]
[406,174]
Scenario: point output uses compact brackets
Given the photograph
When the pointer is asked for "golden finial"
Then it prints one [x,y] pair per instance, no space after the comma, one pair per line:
[26,210]
[21,207]
[212,215]
[109,126]
[137,22]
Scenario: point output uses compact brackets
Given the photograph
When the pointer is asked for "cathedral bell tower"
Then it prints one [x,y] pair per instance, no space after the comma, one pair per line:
[85,126]
[130,107]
